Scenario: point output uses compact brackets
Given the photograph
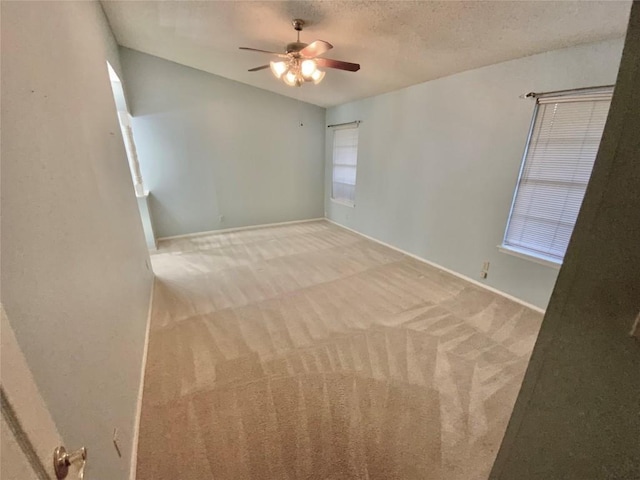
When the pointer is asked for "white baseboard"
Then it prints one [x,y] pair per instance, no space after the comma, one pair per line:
[440,267]
[136,427]
[238,229]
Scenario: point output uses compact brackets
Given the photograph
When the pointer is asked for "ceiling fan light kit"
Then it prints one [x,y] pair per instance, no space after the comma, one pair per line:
[296,71]
[300,61]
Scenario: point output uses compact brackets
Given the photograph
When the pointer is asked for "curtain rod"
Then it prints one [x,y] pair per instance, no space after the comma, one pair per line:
[540,94]
[355,122]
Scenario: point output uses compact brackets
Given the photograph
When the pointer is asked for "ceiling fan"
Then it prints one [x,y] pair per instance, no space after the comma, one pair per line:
[300,61]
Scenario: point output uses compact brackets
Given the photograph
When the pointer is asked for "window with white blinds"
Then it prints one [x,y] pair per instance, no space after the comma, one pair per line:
[557,164]
[345,161]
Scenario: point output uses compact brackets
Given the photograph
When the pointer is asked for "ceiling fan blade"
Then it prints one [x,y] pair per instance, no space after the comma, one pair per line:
[261,51]
[339,64]
[262,67]
[316,48]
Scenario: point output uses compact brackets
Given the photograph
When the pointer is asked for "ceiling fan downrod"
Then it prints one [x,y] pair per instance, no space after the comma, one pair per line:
[296,46]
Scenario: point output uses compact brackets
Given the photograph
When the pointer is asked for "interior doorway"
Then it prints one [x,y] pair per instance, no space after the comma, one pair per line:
[142,194]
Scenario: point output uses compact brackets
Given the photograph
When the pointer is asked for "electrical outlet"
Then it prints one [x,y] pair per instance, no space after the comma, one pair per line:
[485,269]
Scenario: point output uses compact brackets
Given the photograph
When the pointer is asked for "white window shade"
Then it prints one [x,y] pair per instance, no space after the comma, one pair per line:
[556,168]
[345,161]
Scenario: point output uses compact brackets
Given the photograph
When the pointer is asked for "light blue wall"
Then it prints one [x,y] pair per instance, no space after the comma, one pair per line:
[219,154]
[438,162]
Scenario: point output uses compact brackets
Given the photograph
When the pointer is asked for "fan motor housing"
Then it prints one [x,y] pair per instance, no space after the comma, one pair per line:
[295,47]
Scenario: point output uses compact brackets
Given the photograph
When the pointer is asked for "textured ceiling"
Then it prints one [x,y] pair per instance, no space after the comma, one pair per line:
[397,43]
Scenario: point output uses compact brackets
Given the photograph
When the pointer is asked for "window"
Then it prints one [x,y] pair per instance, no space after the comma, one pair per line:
[345,161]
[562,146]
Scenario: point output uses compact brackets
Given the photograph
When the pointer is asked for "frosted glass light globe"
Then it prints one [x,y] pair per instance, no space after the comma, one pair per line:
[307,68]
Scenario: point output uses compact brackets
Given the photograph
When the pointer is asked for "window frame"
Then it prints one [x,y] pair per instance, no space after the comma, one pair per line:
[344,201]
[514,250]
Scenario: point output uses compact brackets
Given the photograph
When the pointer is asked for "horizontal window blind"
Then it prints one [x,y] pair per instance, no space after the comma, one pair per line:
[557,165]
[345,161]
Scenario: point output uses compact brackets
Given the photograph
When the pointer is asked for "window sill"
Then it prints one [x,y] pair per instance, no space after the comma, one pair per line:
[343,202]
[528,256]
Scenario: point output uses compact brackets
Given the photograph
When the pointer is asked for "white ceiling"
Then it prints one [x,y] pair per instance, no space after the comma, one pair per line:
[397,43]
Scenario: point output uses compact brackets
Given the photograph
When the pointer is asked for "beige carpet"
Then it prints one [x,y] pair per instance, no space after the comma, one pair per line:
[308,352]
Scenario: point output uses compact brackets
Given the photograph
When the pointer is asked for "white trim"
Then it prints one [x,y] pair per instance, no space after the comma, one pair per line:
[136,427]
[346,203]
[440,267]
[635,329]
[238,229]
[529,256]
[125,118]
